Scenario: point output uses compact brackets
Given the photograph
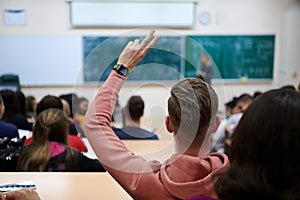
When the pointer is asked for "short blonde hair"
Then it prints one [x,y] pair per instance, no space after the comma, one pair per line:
[192,107]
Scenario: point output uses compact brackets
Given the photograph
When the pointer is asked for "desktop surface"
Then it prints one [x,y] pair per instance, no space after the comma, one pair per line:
[70,186]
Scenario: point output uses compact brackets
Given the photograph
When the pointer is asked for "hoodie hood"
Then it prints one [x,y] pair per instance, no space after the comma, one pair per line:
[185,176]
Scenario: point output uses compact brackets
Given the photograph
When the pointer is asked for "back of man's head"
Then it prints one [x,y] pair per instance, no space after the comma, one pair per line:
[192,108]
[48,101]
[135,107]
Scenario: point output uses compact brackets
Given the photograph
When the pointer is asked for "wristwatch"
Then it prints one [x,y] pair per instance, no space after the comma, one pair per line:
[121,69]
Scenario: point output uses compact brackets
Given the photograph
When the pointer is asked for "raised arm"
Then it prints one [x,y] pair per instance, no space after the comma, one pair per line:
[121,163]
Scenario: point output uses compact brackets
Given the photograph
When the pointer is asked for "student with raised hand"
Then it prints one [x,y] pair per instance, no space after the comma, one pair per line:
[49,149]
[265,149]
[192,117]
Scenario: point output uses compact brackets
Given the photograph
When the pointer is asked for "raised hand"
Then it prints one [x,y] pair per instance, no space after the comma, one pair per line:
[135,51]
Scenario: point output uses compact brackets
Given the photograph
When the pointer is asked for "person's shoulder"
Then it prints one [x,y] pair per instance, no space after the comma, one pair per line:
[121,133]
[8,129]
[7,125]
[138,132]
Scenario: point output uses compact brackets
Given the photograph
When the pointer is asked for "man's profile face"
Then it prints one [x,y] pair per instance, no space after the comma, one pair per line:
[242,106]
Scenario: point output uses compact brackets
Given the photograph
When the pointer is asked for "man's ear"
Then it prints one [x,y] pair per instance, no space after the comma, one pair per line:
[169,124]
[216,123]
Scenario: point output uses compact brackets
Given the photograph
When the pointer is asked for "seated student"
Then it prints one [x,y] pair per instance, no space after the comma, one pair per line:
[22,194]
[51,101]
[75,141]
[49,149]
[21,103]
[83,104]
[7,130]
[12,114]
[132,114]
[264,150]
[31,104]
[72,100]
[244,101]
[220,136]
[192,109]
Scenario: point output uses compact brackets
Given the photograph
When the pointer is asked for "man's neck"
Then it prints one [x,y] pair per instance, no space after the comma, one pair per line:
[193,150]
[132,123]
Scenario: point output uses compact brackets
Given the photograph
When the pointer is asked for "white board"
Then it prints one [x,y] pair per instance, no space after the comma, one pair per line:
[42,60]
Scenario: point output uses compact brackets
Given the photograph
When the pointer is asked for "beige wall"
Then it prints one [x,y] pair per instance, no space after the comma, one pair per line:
[229,17]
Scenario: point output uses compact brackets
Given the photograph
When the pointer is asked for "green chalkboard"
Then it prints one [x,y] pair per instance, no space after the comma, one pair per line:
[234,56]
[163,62]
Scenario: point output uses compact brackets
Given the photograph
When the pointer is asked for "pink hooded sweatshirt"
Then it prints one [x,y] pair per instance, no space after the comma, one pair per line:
[179,177]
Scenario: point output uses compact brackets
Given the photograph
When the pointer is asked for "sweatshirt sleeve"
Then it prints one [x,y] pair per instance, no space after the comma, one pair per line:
[126,168]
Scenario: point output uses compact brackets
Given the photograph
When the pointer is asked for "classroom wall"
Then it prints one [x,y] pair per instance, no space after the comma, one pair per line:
[51,18]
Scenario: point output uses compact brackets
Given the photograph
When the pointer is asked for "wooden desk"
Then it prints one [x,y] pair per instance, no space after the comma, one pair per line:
[150,149]
[70,186]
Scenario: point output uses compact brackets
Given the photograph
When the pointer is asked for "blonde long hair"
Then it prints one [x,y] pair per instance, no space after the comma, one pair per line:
[51,125]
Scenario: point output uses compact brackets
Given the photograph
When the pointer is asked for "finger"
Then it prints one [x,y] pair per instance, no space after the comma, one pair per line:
[147,38]
[153,41]
[130,43]
[2,196]
[136,44]
[151,44]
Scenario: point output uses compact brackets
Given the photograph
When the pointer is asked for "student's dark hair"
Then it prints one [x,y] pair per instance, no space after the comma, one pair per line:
[21,100]
[264,150]
[29,103]
[292,87]
[232,102]
[135,107]
[72,100]
[10,101]
[256,94]
[245,97]
[48,101]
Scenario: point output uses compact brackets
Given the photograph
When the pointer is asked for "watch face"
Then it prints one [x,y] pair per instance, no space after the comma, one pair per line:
[121,69]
